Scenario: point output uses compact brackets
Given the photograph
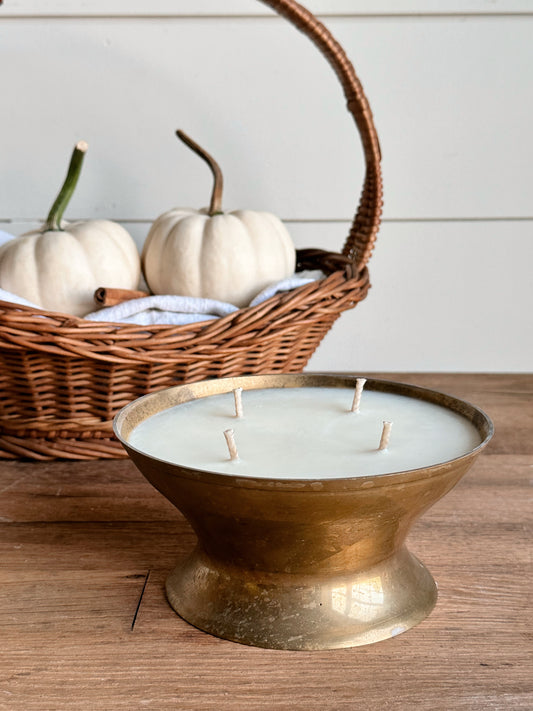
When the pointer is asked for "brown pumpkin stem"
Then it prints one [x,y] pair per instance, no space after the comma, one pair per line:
[215,206]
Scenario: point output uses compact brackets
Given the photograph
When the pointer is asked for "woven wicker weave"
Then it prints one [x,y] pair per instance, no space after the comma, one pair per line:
[63,378]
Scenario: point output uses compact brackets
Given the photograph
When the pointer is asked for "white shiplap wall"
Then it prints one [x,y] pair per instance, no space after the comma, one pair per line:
[449,84]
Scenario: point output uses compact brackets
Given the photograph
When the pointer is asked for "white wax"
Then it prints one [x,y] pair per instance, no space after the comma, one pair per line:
[306,433]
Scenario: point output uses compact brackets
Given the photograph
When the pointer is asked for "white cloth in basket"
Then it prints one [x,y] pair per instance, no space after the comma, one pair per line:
[169,309]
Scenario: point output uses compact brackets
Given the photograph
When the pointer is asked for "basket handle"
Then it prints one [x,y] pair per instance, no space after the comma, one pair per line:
[363,232]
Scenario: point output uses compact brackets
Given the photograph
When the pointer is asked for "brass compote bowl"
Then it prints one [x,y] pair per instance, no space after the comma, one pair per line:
[300,564]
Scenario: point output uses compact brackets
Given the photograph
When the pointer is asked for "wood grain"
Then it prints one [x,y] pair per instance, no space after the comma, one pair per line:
[84,624]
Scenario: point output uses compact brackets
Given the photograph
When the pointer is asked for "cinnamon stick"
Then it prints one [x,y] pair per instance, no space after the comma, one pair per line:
[106,296]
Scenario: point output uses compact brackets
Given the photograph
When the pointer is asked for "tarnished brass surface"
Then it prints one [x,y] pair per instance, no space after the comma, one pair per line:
[292,564]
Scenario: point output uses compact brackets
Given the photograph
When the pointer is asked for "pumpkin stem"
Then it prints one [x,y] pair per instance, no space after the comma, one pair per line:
[215,206]
[53,221]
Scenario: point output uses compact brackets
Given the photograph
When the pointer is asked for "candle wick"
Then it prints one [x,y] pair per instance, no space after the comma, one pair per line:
[238,402]
[232,447]
[359,385]
[385,435]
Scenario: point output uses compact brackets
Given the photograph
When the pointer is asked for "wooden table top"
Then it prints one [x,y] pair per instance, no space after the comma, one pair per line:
[84,622]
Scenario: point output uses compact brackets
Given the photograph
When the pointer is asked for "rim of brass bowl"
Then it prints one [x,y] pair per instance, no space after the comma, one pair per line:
[131,415]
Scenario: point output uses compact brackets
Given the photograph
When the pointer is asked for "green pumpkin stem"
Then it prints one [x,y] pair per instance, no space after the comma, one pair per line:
[53,221]
[215,206]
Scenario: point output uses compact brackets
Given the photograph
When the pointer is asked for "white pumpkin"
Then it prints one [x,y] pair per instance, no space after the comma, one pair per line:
[209,254]
[60,266]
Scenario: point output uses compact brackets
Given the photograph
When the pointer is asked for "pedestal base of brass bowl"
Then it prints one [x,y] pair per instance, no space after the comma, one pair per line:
[301,611]
[300,564]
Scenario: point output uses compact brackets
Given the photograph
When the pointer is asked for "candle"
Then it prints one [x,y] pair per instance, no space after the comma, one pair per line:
[306,433]
[292,504]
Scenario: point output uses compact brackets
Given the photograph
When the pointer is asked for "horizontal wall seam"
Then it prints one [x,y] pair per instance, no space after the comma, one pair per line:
[229,16]
[6,221]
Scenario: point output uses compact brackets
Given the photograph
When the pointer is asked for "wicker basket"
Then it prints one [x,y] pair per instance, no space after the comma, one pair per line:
[63,378]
